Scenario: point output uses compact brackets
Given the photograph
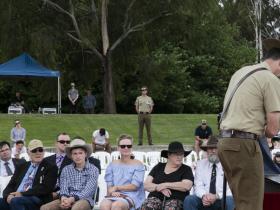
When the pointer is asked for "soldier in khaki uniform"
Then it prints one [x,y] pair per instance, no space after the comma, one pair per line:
[144,107]
[256,103]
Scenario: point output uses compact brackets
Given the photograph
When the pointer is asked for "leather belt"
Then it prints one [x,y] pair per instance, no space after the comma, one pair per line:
[144,113]
[238,134]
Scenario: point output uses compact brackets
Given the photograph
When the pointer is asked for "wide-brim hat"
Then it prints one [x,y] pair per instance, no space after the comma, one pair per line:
[173,147]
[78,143]
[271,43]
[211,143]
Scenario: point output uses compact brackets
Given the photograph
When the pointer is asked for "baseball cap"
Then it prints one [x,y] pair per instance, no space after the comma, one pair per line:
[35,143]
[203,122]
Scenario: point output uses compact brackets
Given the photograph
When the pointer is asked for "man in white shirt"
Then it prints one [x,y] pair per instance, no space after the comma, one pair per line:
[7,163]
[208,182]
[18,149]
[100,140]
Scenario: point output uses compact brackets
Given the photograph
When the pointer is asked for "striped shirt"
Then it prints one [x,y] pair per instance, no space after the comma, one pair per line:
[80,184]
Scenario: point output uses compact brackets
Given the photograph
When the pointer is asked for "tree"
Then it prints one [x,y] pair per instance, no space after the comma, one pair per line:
[88,17]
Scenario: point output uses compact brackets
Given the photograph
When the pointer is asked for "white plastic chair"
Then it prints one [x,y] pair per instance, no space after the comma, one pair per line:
[4,181]
[102,189]
[190,159]
[202,154]
[104,157]
[25,156]
[140,156]
[153,158]
[47,154]
[115,155]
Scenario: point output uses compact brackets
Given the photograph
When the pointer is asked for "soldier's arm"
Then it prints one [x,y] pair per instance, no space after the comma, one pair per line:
[272,127]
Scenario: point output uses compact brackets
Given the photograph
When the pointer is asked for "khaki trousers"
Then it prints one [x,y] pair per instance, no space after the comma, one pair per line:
[78,205]
[144,119]
[243,166]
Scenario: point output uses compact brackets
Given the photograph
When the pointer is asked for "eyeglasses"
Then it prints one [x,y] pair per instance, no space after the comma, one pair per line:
[37,150]
[143,89]
[63,142]
[124,146]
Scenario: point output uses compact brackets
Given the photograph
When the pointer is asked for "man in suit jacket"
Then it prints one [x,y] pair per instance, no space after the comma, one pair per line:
[32,183]
[61,160]
[7,163]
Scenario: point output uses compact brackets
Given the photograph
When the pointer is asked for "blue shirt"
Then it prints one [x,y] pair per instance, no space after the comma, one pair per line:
[89,101]
[80,184]
[30,174]
[18,134]
[123,174]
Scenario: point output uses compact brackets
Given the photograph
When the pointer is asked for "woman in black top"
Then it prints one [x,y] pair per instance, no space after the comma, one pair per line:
[169,183]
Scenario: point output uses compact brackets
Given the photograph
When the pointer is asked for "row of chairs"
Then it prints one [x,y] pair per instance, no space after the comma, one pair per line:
[149,159]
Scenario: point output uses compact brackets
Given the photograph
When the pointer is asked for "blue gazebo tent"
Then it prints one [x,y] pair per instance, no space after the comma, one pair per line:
[25,65]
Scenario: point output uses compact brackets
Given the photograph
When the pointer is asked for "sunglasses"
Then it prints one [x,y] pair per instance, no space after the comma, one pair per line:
[143,89]
[124,146]
[37,150]
[63,142]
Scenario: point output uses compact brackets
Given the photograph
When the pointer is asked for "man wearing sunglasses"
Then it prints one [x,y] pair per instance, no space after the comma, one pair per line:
[144,106]
[32,183]
[59,158]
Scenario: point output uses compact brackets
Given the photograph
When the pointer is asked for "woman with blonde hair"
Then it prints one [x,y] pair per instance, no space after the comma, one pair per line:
[124,178]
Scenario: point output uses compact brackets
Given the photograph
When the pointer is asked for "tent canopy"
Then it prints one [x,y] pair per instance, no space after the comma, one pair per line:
[25,65]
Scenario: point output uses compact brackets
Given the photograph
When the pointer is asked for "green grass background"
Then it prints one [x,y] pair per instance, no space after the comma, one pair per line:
[165,127]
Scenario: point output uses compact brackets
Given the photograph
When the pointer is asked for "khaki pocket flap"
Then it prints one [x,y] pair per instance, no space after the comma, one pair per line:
[233,147]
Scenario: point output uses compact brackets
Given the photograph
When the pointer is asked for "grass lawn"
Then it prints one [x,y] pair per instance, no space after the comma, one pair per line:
[165,127]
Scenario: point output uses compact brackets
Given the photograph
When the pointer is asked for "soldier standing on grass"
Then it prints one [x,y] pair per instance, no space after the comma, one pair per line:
[144,106]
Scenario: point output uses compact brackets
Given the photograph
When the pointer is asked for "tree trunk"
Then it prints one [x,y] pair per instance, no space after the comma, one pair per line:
[108,86]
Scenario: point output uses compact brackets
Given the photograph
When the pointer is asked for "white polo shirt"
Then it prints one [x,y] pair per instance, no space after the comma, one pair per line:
[98,138]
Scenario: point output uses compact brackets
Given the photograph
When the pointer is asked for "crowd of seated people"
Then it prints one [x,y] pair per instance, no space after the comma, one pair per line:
[68,179]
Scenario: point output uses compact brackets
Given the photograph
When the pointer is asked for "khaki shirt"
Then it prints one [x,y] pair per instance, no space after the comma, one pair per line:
[144,104]
[258,95]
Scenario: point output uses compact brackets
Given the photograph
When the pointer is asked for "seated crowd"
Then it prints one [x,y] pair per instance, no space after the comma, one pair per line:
[68,179]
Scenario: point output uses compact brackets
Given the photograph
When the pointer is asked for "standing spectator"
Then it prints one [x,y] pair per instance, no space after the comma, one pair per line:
[18,149]
[73,95]
[89,103]
[100,140]
[7,163]
[18,133]
[78,181]
[32,183]
[202,133]
[254,105]
[124,178]
[169,183]
[208,182]
[144,106]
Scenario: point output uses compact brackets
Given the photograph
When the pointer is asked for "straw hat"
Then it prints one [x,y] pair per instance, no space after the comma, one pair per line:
[78,143]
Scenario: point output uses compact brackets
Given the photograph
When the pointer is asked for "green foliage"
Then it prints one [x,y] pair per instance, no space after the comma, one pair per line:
[186,58]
